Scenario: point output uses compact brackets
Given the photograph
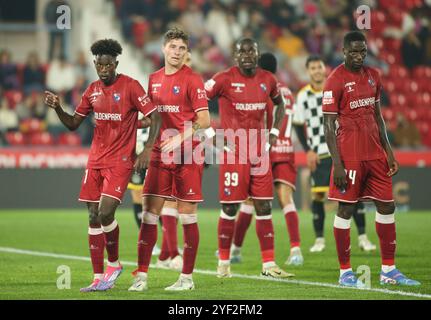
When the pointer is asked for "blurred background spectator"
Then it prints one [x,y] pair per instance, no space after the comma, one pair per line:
[399,45]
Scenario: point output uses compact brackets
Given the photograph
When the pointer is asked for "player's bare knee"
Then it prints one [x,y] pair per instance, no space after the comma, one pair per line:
[346,210]
[93,218]
[230,209]
[263,208]
[385,207]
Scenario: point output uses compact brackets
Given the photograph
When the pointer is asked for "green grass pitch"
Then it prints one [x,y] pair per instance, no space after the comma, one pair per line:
[29,276]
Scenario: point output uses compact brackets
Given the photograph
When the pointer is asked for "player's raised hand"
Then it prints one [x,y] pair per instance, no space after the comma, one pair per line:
[52,100]
[312,160]
[339,176]
[272,139]
[393,166]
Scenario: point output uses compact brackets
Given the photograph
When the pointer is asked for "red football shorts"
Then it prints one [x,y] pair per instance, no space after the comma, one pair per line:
[178,181]
[238,182]
[111,182]
[365,180]
[284,172]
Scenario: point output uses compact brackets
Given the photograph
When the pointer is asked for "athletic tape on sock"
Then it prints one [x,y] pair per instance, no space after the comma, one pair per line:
[341,223]
[289,208]
[110,227]
[246,208]
[95,231]
[266,217]
[188,218]
[170,212]
[225,216]
[385,218]
[150,218]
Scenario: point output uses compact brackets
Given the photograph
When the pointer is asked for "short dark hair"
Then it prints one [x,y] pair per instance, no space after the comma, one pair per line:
[245,39]
[312,58]
[353,36]
[267,61]
[106,46]
[175,33]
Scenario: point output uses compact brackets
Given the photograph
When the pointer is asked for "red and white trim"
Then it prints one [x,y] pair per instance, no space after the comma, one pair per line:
[234,201]
[225,216]
[110,196]
[373,198]
[266,217]
[85,200]
[285,182]
[329,112]
[262,198]
[201,200]
[342,200]
[158,195]
[82,115]
[200,109]
[146,115]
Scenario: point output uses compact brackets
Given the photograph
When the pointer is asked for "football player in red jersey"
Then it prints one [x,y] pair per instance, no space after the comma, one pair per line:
[363,161]
[115,100]
[180,98]
[243,92]
[284,175]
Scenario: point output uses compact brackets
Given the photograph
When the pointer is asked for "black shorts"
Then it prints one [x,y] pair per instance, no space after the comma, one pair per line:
[320,177]
[137,180]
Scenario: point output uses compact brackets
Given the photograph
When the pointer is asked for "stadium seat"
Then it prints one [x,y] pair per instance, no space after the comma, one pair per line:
[388,114]
[15,138]
[398,71]
[41,139]
[31,125]
[13,97]
[421,72]
[398,100]
[69,139]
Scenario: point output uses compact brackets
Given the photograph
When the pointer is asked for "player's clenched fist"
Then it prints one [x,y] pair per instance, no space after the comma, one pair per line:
[52,100]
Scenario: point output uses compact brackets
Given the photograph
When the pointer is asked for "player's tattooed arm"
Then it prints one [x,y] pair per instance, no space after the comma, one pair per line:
[392,162]
[329,124]
[280,112]
[143,159]
[202,121]
[71,122]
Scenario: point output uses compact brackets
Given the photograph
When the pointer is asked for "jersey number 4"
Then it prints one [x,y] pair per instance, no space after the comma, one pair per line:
[231,179]
[352,175]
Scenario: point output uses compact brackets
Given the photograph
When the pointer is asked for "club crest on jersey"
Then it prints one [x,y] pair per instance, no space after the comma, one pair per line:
[116,97]
[227,192]
[349,86]
[371,82]
[263,87]
[176,89]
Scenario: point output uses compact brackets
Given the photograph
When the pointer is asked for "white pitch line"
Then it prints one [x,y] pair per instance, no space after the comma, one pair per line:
[213,273]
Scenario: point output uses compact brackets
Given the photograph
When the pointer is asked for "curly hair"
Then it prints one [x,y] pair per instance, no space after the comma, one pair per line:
[175,33]
[106,46]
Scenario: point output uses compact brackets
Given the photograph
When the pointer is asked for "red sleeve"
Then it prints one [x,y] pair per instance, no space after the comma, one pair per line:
[140,99]
[197,94]
[288,97]
[269,114]
[84,107]
[332,93]
[274,86]
[378,86]
[214,86]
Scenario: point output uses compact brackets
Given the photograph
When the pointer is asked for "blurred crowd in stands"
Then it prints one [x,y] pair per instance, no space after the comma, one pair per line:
[399,44]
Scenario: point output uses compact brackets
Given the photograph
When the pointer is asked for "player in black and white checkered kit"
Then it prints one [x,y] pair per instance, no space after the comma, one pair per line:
[308,113]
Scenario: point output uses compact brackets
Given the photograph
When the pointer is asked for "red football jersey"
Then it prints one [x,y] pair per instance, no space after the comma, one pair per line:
[177,97]
[243,100]
[115,110]
[282,151]
[353,96]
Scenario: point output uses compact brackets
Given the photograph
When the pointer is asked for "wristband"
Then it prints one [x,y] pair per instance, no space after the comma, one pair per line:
[267,146]
[209,133]
[275,132]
